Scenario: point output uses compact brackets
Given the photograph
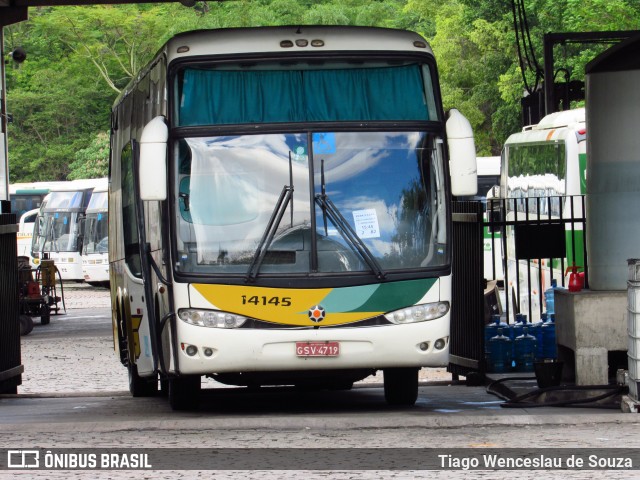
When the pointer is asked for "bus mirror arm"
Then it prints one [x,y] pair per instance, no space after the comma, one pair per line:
[161,361]
[462,155]
[154,265]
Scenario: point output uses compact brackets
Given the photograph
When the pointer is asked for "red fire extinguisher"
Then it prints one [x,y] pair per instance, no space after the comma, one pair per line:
[576,279]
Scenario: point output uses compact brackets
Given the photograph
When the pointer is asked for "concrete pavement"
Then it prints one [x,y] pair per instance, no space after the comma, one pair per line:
[70,365]
[74,395]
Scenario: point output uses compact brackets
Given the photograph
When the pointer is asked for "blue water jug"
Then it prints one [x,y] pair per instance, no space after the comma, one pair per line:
[536,331]
[500,353]
[515,330]
[491,330]
[525,348]
[549,338]
[549,297]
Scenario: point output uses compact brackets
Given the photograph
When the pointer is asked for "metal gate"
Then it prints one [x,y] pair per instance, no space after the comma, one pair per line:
[10,366]
[467,301]
[533,237]
[538,239]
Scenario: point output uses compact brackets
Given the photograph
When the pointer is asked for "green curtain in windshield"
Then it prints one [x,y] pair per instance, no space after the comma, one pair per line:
[211,97]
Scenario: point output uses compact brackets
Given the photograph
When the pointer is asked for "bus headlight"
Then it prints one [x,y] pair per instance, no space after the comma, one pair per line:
[418,313]
[211,318]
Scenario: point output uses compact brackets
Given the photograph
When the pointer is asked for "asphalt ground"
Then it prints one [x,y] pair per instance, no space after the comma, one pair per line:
[75,395]
[73,357]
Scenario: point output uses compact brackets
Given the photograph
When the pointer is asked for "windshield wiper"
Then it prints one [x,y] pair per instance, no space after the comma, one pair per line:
[53,239]
[286,198]
[348,233]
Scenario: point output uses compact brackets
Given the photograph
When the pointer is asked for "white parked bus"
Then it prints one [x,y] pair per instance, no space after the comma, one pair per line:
[280,211]
[95,242]
[58,231]
[25,232]
[488,188]
[29,195]
[546,161]
[26,201]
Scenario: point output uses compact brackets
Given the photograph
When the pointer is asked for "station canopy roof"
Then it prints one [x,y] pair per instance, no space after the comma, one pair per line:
[13,11]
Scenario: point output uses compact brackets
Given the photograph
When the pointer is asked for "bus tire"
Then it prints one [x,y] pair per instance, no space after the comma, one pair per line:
[184,392]
[164,387]
[401,386]
[139,386]
[26,325]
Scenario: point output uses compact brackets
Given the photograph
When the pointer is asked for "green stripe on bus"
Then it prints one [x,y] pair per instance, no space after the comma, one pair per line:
[379,298]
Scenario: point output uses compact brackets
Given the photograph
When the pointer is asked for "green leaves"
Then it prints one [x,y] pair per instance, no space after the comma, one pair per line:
[80,58]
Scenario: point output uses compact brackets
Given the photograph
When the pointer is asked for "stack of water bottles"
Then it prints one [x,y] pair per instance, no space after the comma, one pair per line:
[516,347]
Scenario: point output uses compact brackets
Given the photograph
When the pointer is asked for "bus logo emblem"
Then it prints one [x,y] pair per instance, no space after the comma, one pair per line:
[316,313]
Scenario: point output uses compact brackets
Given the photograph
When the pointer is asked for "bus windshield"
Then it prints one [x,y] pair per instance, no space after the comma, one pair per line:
[56,232]
[96,238]
[387,186]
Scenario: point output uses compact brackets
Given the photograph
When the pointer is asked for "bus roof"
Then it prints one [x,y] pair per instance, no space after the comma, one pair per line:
[81,184]
[552,128]
[567,118]
[293,39]
[33,188]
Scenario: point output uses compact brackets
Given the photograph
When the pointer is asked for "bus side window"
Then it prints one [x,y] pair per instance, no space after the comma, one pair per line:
[129,217]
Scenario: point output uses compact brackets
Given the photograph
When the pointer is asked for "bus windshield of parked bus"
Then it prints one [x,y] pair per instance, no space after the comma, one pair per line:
[383,189]
[96,228]
[536,171]
[540,160]
[376,200]
[57,228]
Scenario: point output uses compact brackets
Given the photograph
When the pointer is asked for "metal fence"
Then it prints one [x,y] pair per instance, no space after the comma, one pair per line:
[10,366]
[535,240]
[530,241]
[467,308]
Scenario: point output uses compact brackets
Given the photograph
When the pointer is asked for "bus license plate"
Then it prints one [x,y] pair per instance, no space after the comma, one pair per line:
[317,349]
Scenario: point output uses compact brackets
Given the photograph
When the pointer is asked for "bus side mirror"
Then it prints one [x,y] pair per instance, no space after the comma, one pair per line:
[462,155]
[153,160]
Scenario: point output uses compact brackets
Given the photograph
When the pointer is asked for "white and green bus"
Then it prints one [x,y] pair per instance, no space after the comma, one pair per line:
[544,177]
[279,205]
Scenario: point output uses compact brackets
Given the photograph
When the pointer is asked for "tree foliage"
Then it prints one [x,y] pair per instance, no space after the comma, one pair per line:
[80,58]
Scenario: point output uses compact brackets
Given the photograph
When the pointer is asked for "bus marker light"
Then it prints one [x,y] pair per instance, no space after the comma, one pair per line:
[317,43]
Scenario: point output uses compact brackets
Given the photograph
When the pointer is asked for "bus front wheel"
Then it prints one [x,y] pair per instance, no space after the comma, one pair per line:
[401,386]
[139,386]
[184,392]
